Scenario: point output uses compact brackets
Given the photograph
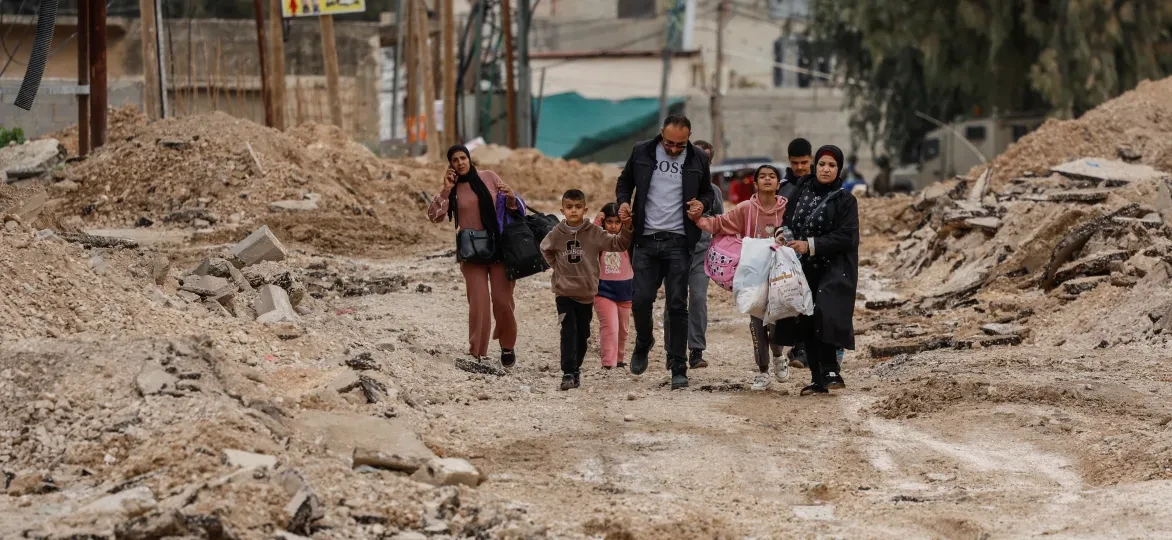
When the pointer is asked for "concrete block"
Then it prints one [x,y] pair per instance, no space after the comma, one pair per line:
[448,472]
[272,305]
[248,460]
[261,245]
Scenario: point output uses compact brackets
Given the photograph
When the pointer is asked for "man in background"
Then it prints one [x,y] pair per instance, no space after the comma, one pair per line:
[698,283]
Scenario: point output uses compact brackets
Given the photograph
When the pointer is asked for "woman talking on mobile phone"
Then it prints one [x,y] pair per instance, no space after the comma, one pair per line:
[477,202]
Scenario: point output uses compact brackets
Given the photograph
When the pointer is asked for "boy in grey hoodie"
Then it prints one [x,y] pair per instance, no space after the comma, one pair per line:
[573,249]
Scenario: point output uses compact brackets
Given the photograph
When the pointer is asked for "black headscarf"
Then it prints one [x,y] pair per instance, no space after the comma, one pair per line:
[836,153]
[484,199]
[811,218]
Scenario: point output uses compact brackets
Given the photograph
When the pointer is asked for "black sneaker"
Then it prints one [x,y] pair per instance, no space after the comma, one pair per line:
[639,361]
[508,357]
[814,389]
[569,381]
[679,381]
[696,359]
[621,365]
[834,381]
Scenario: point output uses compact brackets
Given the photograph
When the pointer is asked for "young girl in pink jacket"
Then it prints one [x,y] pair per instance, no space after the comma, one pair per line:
[759,217]
[615,293]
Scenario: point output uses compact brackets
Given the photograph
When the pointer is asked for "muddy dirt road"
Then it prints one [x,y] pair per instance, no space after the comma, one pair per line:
[1010,442]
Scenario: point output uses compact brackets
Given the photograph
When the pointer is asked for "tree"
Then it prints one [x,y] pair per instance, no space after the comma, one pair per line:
[951,59]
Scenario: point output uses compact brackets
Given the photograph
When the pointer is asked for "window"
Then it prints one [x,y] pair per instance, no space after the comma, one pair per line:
[788,9]
[931,149]
[636,9]
[974,133]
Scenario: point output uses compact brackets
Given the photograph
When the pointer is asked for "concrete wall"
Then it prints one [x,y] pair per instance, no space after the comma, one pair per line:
[762,122]
[54,112]
[590,25]
[613,78]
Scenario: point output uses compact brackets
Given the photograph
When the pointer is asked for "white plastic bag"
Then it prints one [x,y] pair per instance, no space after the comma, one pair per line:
[789,293]
[751,281]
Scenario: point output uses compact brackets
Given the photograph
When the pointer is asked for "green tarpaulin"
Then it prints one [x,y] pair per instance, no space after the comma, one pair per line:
[571,126]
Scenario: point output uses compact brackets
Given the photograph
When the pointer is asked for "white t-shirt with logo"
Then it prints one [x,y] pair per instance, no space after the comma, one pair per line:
[665,194]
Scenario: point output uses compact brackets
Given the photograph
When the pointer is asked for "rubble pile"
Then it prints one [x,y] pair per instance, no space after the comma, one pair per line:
[1078,257]
[151,398]
[1135,127]
[221,175]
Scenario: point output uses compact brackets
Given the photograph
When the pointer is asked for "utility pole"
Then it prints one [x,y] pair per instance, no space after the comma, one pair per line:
[433,149]
[449,36]
[715,98]
[668,48]
[412,54]
[277,55]
[330,53]
[150,58]
[525,84]
[265,87]
[97,50]
[164,99]
[396,108]
[83,77]
[510,83]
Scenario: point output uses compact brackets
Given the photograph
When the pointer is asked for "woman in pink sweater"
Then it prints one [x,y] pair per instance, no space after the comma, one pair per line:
[758,217]
[615,292]
[481,201]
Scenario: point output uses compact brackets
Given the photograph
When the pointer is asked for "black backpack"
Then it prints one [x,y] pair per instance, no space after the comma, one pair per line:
[521,245]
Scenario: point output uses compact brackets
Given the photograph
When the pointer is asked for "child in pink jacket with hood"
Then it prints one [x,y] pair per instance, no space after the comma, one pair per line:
[759,217]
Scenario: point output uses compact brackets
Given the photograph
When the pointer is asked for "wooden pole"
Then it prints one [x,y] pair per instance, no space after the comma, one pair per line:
[433,144]
[150,59]
[277,66]
[300,98]
[510,83]
[265,88]
[98,96]
[161,50]
[83,77]
[411,53]
[715,99]
[449,37]
[219,75]
[329,47]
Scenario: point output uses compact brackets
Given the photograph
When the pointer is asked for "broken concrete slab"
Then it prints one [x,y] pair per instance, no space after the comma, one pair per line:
[248,460]
[999,329]
[302,510]
[272,305]
[1108,172]
[448,472]
[153,379]
[31,159]
[293,206]
[1082,285]
[408,463]
[94,241]
[1074,241]
[1092,265]
[910,346]
[1147,222]
[1089,196]
[987,224]
[133,502]
[209,287]
[342,433]
[261,245]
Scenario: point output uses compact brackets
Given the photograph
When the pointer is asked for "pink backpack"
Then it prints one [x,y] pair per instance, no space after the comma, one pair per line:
[723,256]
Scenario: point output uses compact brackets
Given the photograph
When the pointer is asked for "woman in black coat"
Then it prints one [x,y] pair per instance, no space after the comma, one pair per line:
[824,219]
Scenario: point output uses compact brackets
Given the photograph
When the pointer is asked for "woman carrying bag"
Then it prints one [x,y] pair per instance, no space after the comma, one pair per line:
[481,204]
[824,219]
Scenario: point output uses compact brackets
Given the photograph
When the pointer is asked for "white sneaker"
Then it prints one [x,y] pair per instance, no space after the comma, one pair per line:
[762,382]
[780,368]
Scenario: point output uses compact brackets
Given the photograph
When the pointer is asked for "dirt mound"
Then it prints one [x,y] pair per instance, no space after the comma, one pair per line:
[121,123]
[1136,126]
[216,170]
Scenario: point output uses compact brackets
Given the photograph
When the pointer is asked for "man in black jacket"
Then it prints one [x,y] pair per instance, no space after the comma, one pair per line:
[659,179]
